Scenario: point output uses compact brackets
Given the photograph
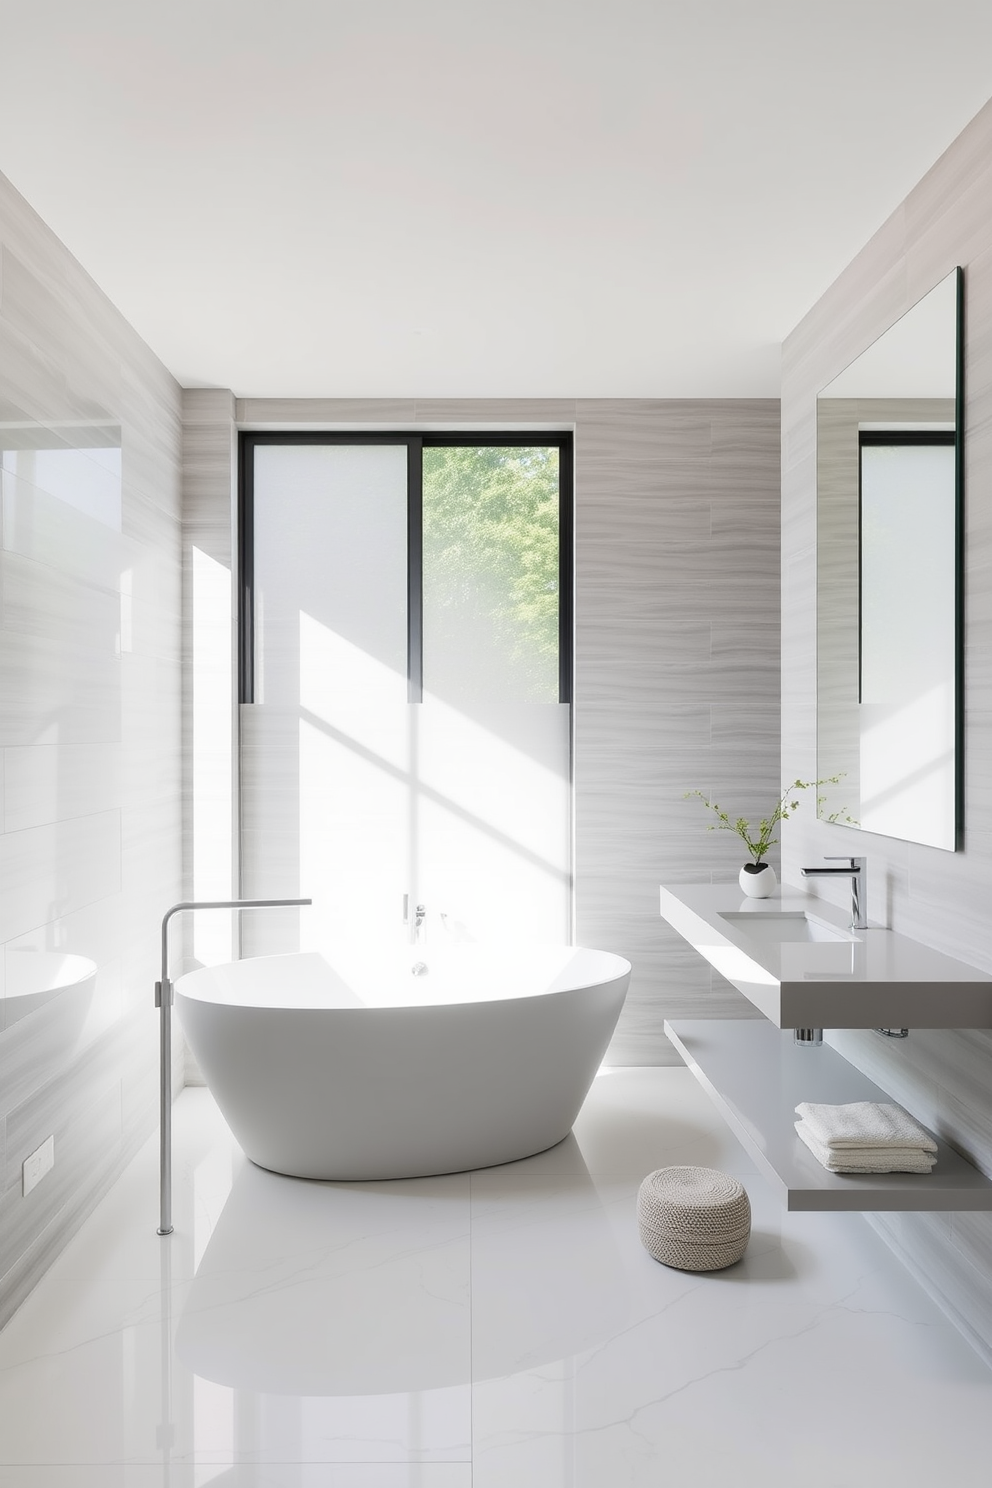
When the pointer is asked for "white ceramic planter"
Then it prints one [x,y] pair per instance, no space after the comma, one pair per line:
[758,880]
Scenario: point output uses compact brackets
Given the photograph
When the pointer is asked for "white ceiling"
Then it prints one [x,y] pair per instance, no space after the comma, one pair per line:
[599,198]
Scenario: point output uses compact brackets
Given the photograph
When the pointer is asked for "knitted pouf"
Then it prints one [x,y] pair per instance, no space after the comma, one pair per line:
[695,1219]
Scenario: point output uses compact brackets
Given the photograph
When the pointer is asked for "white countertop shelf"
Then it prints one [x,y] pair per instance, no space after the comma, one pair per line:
[870,978]
[757,1075]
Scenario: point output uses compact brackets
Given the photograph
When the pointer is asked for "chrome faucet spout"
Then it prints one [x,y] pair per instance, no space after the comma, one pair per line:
[857,872]
[418,933]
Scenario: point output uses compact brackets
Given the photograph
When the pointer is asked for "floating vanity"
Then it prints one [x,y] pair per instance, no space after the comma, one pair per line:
[797,961]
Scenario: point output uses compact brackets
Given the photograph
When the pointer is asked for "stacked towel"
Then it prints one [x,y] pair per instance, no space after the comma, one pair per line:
[865,1137]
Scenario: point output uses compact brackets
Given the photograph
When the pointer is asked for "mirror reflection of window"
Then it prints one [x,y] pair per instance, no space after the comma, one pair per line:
[907,633]
[888,623]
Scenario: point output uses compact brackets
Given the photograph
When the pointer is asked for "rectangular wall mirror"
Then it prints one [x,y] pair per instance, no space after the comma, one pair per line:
[889,434]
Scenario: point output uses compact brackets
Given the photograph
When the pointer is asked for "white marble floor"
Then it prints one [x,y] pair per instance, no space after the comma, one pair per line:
[499,1329]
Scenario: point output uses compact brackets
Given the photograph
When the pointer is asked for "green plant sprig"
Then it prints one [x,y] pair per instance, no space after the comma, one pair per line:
[760,839]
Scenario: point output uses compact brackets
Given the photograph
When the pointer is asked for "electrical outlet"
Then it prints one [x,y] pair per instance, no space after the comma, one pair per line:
[40,1162]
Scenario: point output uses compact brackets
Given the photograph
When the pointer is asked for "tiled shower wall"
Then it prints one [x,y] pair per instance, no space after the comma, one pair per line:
[943,899]
[677,648]
[89,728]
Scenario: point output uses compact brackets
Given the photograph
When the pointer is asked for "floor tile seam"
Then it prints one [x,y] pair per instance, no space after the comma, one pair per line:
[629,1174]
[225,1462]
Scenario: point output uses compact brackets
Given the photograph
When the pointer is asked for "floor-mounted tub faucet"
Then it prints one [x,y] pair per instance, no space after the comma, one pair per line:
[857,872]
[163,1001]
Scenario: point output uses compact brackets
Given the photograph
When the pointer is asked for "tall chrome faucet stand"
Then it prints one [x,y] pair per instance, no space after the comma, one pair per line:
[163,1001]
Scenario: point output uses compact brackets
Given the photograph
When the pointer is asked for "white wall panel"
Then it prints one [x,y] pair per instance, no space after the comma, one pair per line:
[89,724]
[53,782]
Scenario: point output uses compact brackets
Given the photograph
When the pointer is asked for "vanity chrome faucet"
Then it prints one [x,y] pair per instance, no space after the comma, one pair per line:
[857,872]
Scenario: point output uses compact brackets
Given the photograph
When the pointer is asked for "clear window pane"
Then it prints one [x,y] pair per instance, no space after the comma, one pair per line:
[490,574]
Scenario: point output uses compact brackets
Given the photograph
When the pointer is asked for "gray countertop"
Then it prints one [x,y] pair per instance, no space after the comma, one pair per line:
[850,979]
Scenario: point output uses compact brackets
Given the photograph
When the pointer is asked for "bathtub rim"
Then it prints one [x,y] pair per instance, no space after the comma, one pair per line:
[201,984]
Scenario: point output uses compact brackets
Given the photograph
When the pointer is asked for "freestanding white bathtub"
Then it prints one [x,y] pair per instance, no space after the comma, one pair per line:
[376,1068]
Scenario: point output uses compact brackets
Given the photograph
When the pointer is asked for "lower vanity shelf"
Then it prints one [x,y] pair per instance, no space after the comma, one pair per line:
[757,1075]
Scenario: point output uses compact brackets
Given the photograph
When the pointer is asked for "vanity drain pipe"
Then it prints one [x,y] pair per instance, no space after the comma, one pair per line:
[812,1038]
[163,1001]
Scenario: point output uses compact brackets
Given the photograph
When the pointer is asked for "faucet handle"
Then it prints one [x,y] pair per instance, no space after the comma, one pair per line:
[856,863]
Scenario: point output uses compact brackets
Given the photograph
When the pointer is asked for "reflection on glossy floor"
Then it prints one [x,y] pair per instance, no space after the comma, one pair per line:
[500,1329]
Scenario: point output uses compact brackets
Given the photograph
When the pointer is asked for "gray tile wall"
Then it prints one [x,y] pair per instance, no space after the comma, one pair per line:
[942,899]
[89,731]
[676,679]
[677,657]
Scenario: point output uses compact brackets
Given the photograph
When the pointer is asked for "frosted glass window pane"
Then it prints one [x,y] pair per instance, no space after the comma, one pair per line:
[490,574]
[330,544]
[326,786]
[493,820]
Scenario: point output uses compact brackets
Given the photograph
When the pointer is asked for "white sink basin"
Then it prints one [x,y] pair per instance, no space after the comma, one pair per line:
[774,927]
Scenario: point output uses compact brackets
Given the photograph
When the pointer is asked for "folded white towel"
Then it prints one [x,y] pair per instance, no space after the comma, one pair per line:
[864,1124]
[867,1159]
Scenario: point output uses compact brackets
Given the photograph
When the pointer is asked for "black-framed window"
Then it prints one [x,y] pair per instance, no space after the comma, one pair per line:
[490,515]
